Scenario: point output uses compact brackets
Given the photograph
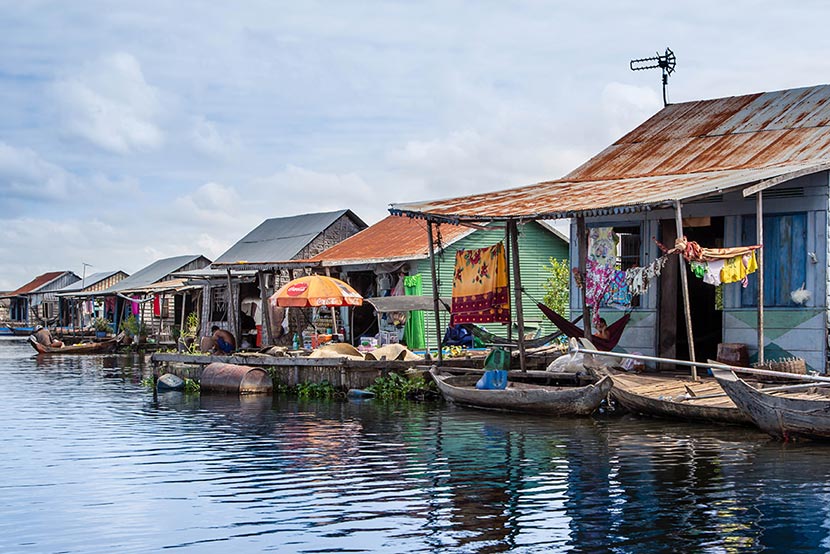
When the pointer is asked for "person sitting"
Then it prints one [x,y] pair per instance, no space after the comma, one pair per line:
[44,337]
[602,330]
[457,335]
[223,341]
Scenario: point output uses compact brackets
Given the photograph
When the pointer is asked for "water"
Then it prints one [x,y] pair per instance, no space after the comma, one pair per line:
[90,461]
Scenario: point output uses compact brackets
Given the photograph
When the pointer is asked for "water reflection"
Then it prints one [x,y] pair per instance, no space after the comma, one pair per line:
[94,462]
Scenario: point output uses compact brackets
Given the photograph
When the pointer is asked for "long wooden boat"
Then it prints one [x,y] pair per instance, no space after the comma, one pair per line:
[676,397]
[523,397]
[786,415]
[87,348]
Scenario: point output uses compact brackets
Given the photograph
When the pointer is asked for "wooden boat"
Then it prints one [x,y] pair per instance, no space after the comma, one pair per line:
[676,397]
[523,397]
[86,348]
[786,414]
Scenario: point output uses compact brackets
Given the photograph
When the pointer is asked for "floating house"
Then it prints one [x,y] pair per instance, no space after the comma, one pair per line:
[377,261]
[36,302]
[154,296]
[242,278]
[79,303]
[739,171]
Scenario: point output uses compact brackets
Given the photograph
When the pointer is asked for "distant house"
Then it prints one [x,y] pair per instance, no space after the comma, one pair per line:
[153,294]
[713,170]
[36,301]
[253,267]
[79,303]
[376,259]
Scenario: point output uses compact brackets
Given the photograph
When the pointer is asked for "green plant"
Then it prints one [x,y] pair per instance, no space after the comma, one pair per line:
[191,326]
[133,327]
[190,385]
[557,290]
[397,387]
[102,324]
[323,389]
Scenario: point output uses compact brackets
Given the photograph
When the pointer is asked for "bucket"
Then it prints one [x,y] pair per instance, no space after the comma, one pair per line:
[733,353]
[235,379]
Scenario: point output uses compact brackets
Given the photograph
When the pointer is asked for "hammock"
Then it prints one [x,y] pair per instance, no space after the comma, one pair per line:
[615,330]
[489,338]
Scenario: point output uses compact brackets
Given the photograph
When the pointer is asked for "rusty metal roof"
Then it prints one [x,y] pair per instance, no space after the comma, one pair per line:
[36,283]
[683,152]
[391,239]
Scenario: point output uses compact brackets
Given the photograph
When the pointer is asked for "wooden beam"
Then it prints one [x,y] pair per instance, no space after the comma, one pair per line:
[684,281]
[759,225]
[582,257]
[517,291]
[434,292]
[507,244]
[777,180]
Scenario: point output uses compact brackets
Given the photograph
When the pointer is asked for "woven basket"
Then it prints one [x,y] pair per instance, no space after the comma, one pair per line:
[784,365]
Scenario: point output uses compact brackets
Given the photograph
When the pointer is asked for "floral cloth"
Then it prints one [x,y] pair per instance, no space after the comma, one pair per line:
[479,289]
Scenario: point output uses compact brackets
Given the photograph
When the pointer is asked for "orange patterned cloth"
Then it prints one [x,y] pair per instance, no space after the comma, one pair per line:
[479,288]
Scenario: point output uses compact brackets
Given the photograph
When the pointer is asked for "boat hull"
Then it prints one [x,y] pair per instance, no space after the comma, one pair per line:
[90,348]
[658,396]
[785,417]
[524,397]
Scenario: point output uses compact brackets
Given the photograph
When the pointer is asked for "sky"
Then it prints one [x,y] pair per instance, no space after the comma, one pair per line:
[133,131]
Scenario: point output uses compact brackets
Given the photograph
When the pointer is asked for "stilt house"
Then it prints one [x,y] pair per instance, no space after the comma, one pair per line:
[36,302]
[738,171]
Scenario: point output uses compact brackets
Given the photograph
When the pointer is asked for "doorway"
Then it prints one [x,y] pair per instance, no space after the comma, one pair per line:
[704,300]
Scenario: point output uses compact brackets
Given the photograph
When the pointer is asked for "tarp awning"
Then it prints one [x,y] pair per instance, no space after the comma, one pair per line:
[407,303]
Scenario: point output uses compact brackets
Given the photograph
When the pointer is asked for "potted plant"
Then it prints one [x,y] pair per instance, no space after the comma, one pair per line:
[134,329]
[102,327]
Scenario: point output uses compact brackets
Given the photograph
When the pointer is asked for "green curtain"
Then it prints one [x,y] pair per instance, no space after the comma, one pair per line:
[413,331]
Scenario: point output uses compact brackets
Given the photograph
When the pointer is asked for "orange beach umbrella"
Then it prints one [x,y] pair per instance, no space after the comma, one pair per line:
[316,290]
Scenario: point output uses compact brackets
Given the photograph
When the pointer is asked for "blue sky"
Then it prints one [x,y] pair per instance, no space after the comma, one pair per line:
[132,131]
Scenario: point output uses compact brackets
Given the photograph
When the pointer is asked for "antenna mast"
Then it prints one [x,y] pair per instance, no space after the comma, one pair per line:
[666,63]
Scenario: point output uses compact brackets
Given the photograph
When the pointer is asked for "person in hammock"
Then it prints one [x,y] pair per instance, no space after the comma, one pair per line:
[602,330]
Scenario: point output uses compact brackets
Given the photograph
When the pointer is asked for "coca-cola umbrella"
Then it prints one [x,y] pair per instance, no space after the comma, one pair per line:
[314,291]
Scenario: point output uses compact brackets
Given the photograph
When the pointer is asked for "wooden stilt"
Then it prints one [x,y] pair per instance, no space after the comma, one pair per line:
[684,281]
[231,314]
[265,312]
[507,244]
[434,291]
[517,288]
[759,218]
[582,255]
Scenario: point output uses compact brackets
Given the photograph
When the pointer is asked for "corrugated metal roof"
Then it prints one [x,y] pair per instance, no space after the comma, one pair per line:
[37,283]
[153,273]
[87,281]
[685,151]
[391,239]
[282,238]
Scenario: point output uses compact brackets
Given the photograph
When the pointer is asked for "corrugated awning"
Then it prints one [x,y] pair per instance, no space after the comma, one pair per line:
[564,198]
[385,304]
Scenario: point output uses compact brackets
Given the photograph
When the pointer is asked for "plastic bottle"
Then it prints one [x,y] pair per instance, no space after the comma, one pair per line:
[296,343]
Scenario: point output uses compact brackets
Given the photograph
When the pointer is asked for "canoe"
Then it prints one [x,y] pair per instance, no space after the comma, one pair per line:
[668,397]
[87,348]
[786,415]
[523,397]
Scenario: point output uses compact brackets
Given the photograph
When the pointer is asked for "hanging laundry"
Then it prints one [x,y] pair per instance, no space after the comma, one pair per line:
[699,269]
[693,251]
[638,279]
[157,306]
[479,288]
[618,295]
[602,246]
[713,270]
[597,280]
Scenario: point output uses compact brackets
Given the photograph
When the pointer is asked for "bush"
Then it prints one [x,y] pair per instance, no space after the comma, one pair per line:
[557,286]
[102,324]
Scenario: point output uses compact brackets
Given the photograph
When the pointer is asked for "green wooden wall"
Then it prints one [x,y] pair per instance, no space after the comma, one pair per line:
[536,246]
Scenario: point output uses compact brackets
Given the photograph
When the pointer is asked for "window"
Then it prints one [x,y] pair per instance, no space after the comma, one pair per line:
[218,304]
[785,258]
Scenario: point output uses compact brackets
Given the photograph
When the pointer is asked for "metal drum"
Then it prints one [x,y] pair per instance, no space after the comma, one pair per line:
[235,379]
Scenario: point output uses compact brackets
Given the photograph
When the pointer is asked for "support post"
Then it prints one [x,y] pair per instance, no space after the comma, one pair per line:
[507,242]
[265,311]
[231,311]
[582,256]
[684,281]
[517,290]
[434,291]
[759,218]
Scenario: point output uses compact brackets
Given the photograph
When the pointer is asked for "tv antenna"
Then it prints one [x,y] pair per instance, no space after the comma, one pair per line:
[666,62]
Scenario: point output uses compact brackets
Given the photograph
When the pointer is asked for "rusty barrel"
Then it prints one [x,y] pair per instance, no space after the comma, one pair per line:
[236,379]
[733,353]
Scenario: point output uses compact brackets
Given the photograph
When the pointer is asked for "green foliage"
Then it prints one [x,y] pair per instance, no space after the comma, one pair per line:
[191,325]
[102,324]
[191,386]
[557,289]
[323,389]
[398,387]
[133,328]
[148,382]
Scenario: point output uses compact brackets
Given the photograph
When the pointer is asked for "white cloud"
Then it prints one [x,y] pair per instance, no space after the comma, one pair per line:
[109,103]
[208,139]
[626,106]
[25,175]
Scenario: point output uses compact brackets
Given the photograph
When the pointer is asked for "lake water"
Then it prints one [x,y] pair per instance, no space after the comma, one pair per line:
[91,461]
